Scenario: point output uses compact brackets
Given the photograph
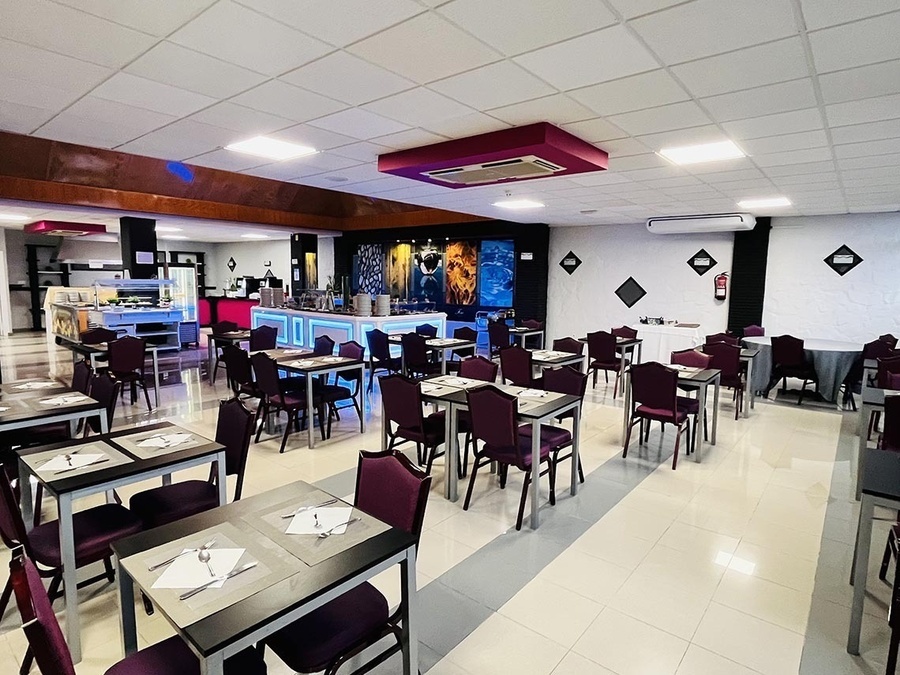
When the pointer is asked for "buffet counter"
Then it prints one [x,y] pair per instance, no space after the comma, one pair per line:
[300,328]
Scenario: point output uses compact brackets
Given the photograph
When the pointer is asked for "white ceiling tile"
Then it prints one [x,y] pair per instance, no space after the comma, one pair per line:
[774,125]
[873,40]
[739,189]
[663,118]
[245,121]
[22,119]
[623,147]
[339,23]
[493,86]
[347,78]
[640,175]
[600,178]
[798,169]
[646,90]
[77,34]
[800,141]
[867,110]
[184,68]
[869,181]
[466,125]
[766,100]
[285,100]
[180,140]
[595,130]
[516,26]
[226,160]
[155,18]
[424,49]
[823,13]
[303,166]
[866,162]
[793,157]
[42,67]
[673,182]
[632,8]
[359,124]
[34,95]
[709,133]
[604,55]
[354,174]
[745,22]
[142,93]
[809,180]
[320,139]
[649,160]
[728,169]
[719,177]
[244,37]
[848,85]
[859,133]
[411,138]
[363,151]
[417,107]
[745,68]
[92,131]
[556,109]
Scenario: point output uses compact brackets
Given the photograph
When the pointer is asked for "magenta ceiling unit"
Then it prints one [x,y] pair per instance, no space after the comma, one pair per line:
[538,150]
[58,228]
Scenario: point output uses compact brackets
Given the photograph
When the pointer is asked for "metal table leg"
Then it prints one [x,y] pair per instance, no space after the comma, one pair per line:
[576,449]
[860,571]
[409,614]
[70,580]
[535,473]
[715,414]
[127,620]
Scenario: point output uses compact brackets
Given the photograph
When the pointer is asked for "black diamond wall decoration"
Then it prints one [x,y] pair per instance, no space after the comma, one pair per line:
[231,264]
[701,262]
[843,260]
[570,262]
[630,292]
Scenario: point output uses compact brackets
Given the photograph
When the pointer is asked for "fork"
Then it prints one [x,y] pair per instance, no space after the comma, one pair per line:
[175,557]
[327,533]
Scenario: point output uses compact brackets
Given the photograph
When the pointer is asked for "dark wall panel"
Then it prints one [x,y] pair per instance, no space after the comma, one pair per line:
[138,235]
[748,276]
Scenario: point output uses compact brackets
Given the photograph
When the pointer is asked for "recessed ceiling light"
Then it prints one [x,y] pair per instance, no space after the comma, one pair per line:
[250,235]
[173,236]
[166,228]
[13,217]
[271,148]
[707,152]
[518,204]
[764,203]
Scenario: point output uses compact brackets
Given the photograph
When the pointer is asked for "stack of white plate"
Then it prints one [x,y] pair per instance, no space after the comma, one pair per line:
[382,305]
[363,303]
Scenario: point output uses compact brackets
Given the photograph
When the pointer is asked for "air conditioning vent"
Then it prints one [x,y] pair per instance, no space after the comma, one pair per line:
[721,222]
[529,166]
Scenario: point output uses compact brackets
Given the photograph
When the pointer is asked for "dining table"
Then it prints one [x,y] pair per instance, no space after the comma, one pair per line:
[440,346]
[549,358]
[286,570]
[40,401]
[110,461]
[519,334]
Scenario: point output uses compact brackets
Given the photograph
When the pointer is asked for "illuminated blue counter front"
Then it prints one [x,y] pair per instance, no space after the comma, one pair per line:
[299,328]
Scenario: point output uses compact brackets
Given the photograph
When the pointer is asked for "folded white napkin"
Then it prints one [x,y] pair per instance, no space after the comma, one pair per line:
[165,440]
[533,393]
[66,399]
[305,363]
[36,385]
[72,461]
[305,521]
[188,572]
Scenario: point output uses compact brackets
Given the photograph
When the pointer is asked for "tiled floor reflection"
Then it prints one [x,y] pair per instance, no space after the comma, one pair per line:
[736,565]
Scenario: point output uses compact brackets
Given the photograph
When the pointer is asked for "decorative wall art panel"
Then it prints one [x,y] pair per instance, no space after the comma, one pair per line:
[497,273]
[462,272]
[428,274]
[399,271]
[370,268]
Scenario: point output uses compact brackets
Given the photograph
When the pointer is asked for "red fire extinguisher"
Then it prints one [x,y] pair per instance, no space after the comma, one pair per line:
[721,282]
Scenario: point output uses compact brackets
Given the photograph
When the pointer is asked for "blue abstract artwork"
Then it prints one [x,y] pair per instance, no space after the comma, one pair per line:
[497,273]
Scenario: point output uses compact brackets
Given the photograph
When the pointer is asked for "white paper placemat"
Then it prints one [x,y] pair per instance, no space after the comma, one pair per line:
[37,385]
[189,572]
[65,399]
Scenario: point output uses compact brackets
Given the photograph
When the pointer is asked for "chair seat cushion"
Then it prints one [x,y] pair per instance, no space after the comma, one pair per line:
[168,503]
[606,365]
[555,437]
[660,414]
[433,428]
[309,644]
[94,529]
[333,392]
[173,657]
[689,405]
[508,455]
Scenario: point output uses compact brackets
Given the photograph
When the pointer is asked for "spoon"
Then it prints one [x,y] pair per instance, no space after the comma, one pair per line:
[329,532]
[203,555]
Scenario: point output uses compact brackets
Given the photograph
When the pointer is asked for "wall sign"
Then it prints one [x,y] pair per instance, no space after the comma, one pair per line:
[144,257]
[843,260]
[630,292]
[701,262]
[570,262]
[526,255]
[231,264]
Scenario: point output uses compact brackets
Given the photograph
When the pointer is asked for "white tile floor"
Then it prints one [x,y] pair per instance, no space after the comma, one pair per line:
[707,570]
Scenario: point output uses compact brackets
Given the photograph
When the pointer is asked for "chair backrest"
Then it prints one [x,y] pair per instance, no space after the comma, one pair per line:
[391,488]
[402,400]
[498,335]
[94,336]
[655,386]
[352,350]
[237,362]
[223,327]
[323,346]
[263,337]
[754,331]
[532,324]
[726,358]
[566,380]
[723,337]
[234,427]
[12,527]
[105,388]
[415,350]
[81,377]
[787,351]
[691,358]
[379,347]
[465,333]
[877,349]
[516,364]
[568,344]
[45,637]
[601,346]
[266,370]
[493,414]
[479,368]
[624,332]
[427,330]
[887,369]
[128,353]
[890,437]
[890,339]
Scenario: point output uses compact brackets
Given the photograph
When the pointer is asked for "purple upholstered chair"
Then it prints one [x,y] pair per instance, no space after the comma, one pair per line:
[602,356]
[262,338]
[332,394]
[402,400]
[391,489]
[727,358]
[426,330]
[754,331]
[654,390]
[887,377]
[380,355]
[323,346]
[168,503]
[240,372]
[569,345]
[218,329]
[96,336]
[516,367]
[106,389]
[876,349]
[723,337]
[127,361]
[474,368]
[494,424]
[532,324]
[415,355]
[692,359]
[498,337]
[890,339]
[276,398]
[457,355]
[890,440]
[789,360]
[46,641]
[81,377]
[624,332]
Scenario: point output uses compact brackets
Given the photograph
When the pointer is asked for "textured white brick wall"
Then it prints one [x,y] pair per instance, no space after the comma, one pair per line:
[586,300]
[808,299]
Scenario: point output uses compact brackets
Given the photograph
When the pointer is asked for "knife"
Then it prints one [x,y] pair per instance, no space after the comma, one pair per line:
[224,577]
[307,508]
[83,466]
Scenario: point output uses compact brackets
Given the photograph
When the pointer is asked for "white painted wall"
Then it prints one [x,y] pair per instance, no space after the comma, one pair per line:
[249,256]
[806,298]
[586,300]
[325,259]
